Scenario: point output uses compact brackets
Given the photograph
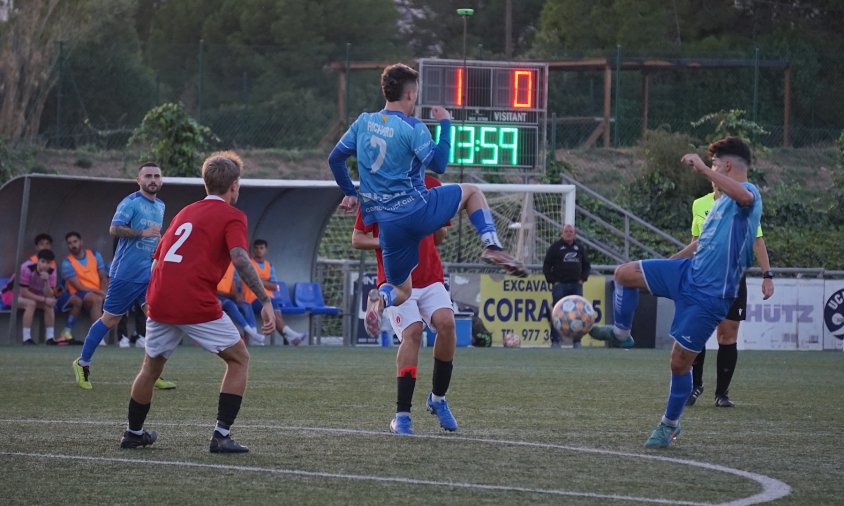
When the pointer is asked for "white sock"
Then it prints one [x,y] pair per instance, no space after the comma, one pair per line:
[437,398]
[403,413]
[223,432]
[136,432]
[51,332]
[27,334]
[490,239]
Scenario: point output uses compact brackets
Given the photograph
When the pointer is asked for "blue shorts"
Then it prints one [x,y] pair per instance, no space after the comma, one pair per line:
[121,295]
[695,314]
[399,239]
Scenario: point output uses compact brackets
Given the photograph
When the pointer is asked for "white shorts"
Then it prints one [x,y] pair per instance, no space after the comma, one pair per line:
[215,336]
[420,307]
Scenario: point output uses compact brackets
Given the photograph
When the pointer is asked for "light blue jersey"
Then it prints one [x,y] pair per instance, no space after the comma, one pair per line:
[725,247]
[392,152]
[133,257]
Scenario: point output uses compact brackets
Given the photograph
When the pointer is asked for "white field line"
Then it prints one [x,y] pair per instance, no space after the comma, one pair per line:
[772,488]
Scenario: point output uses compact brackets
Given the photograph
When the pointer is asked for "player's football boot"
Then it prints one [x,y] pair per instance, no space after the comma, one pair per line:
[82,373]
[130,440]
[374,308]
[402,425]
[606,333]
[722,401]
[440,409]
[697,392]
[501,258]
[163,384]
[662,436]
[225,444]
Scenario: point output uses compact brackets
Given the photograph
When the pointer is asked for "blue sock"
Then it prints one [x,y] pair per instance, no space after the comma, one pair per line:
[485,225]
[388,294]
[71,321]
[681,388]
[96,333]
[624,305]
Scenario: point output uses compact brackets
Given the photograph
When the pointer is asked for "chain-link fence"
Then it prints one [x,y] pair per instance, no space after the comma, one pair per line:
[270,97]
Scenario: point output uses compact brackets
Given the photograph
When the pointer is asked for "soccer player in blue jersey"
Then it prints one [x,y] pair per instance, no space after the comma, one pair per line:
[393,149]
[704,286]
[137,225]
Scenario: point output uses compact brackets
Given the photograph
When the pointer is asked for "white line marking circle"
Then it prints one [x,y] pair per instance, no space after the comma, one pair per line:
[772,488]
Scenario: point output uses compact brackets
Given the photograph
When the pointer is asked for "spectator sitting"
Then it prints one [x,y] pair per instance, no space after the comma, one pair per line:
[266,271]
[37,281]
[239,311]
[85,273]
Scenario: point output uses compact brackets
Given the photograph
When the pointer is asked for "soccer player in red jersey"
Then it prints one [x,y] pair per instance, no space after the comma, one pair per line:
[188,263]
[430,303]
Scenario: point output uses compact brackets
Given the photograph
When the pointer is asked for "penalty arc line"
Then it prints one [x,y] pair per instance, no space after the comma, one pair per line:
[772,488]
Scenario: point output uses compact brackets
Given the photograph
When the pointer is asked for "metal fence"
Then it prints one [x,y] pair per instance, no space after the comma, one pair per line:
[270,99]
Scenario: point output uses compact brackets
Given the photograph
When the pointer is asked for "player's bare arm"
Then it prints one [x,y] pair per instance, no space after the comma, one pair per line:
[362,240]
[349,204]
[761,252]
[729,186]
[440,113]
[248,274]
[688,251]
[124,231]
[439,236]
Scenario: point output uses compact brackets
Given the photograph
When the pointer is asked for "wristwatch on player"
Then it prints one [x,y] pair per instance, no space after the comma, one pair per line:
[768,275]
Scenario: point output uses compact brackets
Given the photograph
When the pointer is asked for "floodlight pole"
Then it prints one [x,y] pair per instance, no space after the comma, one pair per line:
[464,85]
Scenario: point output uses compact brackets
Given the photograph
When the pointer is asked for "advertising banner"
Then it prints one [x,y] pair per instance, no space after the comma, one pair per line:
[833,314]
[522,305]
[792,319]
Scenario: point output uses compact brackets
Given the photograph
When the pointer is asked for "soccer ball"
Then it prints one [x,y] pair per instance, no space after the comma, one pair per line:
[573,316]
[511,340]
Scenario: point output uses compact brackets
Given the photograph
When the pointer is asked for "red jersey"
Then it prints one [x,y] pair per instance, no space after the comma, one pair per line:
[191,259]
[430,267]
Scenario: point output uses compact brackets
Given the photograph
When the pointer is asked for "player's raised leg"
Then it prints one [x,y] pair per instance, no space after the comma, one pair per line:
[476,206]
[628,280]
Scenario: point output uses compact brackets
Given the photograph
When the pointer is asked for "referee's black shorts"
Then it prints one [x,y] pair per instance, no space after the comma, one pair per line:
[738,311]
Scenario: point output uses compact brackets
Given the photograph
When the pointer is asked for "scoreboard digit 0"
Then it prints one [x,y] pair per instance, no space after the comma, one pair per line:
[499,111]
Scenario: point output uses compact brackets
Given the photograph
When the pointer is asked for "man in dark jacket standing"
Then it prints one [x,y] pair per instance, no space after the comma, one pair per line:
[566,268]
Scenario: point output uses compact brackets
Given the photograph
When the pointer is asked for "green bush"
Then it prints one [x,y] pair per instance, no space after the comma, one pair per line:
[173,139]
[663,194]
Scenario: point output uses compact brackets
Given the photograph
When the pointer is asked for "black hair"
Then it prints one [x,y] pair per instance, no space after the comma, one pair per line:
[43,237]
[71,234]
[730,146]
[259,242]
[46,254]
[148,164]
[395,78]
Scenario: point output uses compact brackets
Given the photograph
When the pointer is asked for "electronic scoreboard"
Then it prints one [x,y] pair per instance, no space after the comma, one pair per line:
[499,111]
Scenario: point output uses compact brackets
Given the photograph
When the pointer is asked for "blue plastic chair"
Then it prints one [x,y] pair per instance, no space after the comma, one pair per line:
[309,296]
[287,305]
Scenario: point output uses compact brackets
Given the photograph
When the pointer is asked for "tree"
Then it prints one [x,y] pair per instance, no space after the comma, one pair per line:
[173,139]
[27,55]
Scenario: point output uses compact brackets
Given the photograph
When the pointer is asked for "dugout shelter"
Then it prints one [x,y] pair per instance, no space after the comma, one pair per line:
[290,214]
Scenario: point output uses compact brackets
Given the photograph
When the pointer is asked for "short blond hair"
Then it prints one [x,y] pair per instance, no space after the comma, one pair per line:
[220,170]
